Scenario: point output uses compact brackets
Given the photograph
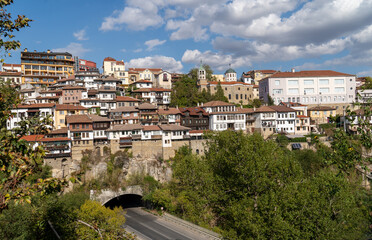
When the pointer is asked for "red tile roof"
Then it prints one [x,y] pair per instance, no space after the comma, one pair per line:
[143,69]
[314,73]
[59,131]
[73,87]
[11,65]
[216,103]
[169,111]
[69,107]
[193,111]
[264,109]
[126,99]
[109,59]
[151,128]
[32,138]
[78,119]
[282,109]
[37,105]
[10,73]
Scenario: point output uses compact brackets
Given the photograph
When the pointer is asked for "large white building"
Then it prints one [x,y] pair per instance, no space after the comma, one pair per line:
[321,87]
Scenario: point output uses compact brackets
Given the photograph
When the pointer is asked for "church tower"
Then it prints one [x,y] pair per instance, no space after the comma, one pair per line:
[202,78]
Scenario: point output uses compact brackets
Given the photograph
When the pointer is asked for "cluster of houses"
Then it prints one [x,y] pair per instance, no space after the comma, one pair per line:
[90,109]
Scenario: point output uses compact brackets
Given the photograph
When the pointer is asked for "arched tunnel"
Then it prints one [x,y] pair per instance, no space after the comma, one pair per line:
[125,201]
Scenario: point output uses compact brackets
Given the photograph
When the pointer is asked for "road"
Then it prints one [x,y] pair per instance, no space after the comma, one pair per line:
[147,226]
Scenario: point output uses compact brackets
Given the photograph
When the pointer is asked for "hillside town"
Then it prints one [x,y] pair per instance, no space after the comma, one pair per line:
[121,108]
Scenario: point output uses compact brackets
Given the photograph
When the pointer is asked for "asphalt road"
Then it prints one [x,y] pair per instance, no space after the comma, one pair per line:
[147,226]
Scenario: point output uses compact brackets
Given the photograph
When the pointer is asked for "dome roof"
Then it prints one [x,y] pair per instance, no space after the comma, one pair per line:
[230,70]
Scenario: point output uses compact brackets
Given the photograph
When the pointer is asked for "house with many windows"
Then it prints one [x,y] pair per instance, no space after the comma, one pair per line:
[319,87]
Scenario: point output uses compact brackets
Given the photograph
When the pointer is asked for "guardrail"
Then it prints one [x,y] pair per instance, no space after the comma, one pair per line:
[205,232]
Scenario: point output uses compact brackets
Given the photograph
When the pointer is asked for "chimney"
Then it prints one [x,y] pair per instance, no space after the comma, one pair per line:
[25,50]
[293,70]
[48,51]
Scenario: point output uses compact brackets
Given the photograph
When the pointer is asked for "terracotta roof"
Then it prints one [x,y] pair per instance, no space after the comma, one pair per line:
[143,69]
[96,118]
[169,111]
[37,105]
[11,65]
[73,87]
[109,59]
[57,139]
[69,107]
[28,90]
[151,128]
[147,106]
[266,71]
[247,110]
[291,104]
[126,99]
[282,109]
[59,131]
[230,83]
[51,91]
[321,108]
[264,109]
[78,119]
[193,111]
[32,138]
[238,111]
[216,103]
[92,91]
[142,81]
[48,97]
[125,109]
[152,90]
[10,73]
[173,127]
[315,73]
[125,127]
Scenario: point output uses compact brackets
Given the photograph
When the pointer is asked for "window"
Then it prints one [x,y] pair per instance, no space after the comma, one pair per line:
[277,82]
[277,91]
[309,90]
[309,82]
[339,81]
[323,81]
[292,82]
[324,90]
[293,90]
[339,89]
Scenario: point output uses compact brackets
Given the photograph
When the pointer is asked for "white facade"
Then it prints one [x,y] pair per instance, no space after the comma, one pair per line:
[223,121]
[285,122]
[310,89]
[25,111]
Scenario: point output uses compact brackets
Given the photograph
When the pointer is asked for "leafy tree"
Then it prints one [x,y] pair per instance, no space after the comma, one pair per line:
[193,73]
[8,26]
[270,100]
[368,83]
[98,222]
[220,96]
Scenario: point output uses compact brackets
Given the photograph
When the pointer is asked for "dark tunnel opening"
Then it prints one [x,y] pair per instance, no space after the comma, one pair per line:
[125,201]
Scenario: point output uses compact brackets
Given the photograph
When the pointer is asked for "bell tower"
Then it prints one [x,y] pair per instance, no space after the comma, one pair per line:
[202,77]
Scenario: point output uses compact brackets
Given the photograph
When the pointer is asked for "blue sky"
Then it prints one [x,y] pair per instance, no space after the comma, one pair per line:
[176,34]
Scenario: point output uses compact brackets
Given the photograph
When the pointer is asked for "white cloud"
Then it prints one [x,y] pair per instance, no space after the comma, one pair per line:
[153,43]
[138,50]
[217,61]
[166,63]
[76,49]
[81,35]
[137,16]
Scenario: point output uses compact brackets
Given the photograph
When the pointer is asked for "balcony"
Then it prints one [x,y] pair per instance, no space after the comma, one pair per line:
[57,155]
[57,147]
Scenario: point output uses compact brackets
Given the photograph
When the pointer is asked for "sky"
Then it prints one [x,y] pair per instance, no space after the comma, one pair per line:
[177,34]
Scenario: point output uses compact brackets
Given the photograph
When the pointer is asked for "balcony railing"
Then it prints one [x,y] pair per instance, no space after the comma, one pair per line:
[57,155]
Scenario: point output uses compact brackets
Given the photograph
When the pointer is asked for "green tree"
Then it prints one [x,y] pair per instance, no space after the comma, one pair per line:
[368,83]
[193,73]
[220,96]
[97,222]
[8,26]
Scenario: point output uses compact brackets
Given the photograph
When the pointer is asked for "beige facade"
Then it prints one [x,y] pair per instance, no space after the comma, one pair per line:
[236,92]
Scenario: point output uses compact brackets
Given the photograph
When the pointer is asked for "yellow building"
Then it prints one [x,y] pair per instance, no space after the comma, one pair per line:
[236,92]
[63,110]
[321,114]
[45,68]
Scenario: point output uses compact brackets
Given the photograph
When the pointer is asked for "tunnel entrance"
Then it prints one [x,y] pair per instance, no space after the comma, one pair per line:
[125,201]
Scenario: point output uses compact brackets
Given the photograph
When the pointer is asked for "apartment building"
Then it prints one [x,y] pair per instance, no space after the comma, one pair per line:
[45,68]
[320,87]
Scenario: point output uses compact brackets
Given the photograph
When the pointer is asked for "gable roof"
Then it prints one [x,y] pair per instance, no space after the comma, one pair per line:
[217,103]
[152,90]
[169,111]
[264,109]
[282,109]
[126,99]
[32,138]
[173,127]
[78,119]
